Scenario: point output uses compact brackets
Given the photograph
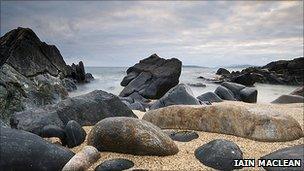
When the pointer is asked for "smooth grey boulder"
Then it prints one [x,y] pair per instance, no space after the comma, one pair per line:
[284,99]
[234,88]
[294,152]
[85,109]
[224,93]
[75,134]
[298,91]
[152,77]
[21,150]
[219,154]
[178,95]
[132,136]
[249,95]
[210,97]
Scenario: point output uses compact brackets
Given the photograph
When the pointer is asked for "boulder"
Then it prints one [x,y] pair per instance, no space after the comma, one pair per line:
[69,84]
[210,97]
[222,71]
[298,91]
[289,99]
[130,135]
[75,134]
[54,131]
[249,95]
[88,77]
[83,159]
[244,121]
[224,93]
[21,150]
[290,153]
[78,72]
[137,106]
[247,79]
[85,109]
[115,164]
[234,88]
[219,154]
[178,95]
[152,77]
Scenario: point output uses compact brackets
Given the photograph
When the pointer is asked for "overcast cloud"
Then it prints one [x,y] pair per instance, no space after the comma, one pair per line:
[219,33]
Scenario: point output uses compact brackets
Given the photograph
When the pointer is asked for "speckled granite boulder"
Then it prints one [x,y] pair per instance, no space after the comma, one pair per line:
[130,135]
[249,122]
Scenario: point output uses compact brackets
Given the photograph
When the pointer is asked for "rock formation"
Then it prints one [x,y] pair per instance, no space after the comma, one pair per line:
[151,77]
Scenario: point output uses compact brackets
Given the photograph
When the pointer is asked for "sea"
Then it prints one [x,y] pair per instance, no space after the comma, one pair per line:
[109,78]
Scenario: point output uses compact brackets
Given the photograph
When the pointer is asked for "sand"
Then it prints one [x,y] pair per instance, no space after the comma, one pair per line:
[185,159]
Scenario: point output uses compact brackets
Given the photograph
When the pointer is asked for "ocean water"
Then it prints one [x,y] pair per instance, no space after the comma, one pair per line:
[109,78]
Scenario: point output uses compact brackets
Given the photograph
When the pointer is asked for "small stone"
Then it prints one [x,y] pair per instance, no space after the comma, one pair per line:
[115,165]
[183,136]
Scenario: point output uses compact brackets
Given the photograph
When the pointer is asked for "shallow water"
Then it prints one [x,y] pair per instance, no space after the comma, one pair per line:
[109,78]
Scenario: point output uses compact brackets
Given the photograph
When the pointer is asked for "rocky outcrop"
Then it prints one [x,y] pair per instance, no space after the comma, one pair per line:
[290,153]
[130,135]
[32,73]
[244,121]
[285,99]
[86,109]
[152,77]
[21,150]
[222,71]
[178,95]
[219,154]
[288,72]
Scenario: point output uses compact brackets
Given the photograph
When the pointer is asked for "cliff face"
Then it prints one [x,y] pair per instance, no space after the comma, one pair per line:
[23,50]
[33,73]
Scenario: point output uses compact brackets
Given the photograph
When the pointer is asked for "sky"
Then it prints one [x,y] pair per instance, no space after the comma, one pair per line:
[203,33]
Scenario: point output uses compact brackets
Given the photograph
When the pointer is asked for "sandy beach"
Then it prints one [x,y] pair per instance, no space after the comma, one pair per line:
[185,159]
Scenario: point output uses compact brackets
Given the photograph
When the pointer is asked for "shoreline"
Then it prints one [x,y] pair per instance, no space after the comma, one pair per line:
[185,159]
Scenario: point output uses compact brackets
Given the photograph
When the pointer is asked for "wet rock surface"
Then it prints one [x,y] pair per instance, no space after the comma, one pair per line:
[132,136]
[75,134]
[182,136]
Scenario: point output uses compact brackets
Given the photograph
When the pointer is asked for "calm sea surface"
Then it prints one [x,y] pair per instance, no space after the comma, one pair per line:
[109,78]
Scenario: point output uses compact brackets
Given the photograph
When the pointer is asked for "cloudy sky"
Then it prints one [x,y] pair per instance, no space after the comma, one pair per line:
[103,33]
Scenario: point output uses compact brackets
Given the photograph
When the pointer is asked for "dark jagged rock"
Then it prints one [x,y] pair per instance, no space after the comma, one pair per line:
[210,97]
[299,91]
[178,95]
[69,84]
[115,165]
[132,136]
[219,154]
[21,150]
[88,77]
[54,131]
[75,134]
[289,99]
[288,72]
[183,136]
[78,73]
[222,71]
[152,77]
[290,153]
[86,109]
[29,56]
